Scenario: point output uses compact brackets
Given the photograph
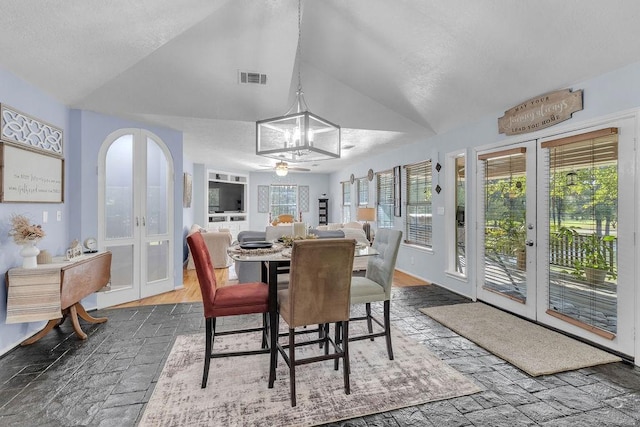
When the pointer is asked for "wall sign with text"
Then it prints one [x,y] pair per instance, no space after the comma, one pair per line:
[29,176]
[540,112]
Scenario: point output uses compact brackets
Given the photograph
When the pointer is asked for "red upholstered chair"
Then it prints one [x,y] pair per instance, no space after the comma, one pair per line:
[234,300]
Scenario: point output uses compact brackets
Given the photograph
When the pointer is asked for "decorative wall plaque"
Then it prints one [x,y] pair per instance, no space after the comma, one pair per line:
[303,197]
[20,128]
[540,112]
[263,199]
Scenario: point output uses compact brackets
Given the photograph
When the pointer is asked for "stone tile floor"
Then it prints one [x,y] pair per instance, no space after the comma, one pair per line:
[107,379]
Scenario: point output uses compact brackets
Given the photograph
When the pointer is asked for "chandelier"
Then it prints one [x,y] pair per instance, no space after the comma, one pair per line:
[299,135]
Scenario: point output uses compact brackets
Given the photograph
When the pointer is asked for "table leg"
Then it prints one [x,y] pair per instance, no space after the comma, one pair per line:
[86,316]
[77,309]
[48,327]
[73,314]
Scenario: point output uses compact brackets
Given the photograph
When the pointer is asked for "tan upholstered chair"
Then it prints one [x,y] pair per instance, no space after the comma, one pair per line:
[217,243]
[376,285]
[231,300]
[318,294]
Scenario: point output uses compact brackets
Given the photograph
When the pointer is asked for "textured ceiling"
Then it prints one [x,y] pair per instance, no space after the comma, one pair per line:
[390,72]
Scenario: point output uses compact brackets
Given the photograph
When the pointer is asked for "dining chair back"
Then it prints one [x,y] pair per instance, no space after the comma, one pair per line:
[318,294]
[376,285]
[233,300]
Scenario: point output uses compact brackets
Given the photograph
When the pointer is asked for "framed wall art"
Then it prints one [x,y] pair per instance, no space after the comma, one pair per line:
[30,176]
[187,190]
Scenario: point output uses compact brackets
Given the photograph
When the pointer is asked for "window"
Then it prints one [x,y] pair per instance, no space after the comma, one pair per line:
[363,192]
[419,212]
[384,197]
[284,200]
[346,201]
[459,229]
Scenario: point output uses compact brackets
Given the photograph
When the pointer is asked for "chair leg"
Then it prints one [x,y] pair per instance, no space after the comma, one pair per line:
[369,322]
[346,366]
[387,327]
[292,365]
[209,335]
[338,341]
[265,328]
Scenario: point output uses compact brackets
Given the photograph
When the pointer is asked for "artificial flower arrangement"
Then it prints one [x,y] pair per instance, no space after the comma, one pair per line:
[287,241]
[23,231]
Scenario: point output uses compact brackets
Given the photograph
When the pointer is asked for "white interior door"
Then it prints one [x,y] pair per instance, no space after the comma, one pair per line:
[135,215]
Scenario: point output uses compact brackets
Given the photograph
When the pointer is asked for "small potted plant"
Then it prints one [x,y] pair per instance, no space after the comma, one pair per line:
[594,256]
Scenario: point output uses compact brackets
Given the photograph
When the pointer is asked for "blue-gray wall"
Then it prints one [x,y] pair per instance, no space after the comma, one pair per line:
[84,132]
[608,94]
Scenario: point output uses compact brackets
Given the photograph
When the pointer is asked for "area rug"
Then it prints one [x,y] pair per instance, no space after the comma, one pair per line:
[531,347]
[237,392]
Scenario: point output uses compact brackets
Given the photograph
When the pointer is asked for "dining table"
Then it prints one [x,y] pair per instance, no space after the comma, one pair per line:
[275,259]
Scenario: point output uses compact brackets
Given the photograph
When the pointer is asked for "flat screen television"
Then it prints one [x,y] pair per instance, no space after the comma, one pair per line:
[226,197]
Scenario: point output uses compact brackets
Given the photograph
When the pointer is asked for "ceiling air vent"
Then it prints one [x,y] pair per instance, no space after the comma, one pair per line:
[246,77]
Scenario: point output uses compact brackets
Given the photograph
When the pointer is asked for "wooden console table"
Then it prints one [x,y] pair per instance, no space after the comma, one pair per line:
[53,292]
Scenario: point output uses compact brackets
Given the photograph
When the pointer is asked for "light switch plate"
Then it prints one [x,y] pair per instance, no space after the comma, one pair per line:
[45,217]
[440,210]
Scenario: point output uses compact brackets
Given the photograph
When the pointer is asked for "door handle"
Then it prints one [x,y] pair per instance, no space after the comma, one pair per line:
[529,242]
[137,222]
[144,222]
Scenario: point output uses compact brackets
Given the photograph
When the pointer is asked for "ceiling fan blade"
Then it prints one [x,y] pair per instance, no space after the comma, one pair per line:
[299,169]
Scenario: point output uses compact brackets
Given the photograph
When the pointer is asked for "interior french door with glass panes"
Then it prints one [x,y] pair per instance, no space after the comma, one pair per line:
[135,215]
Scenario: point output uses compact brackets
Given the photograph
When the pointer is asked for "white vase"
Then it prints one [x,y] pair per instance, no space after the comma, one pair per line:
[29,253]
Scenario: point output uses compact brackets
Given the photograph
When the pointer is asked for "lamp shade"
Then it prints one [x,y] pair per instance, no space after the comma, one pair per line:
[366,214]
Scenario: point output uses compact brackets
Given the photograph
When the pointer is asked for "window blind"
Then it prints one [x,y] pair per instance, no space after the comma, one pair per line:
[384,197]
[419,210]
[363,192]
[284,200]
[346,201]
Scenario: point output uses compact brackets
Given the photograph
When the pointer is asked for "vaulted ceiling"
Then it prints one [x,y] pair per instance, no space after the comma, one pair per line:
[390,72]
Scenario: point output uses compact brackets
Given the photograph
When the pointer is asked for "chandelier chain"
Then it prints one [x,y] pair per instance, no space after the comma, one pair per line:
[299,49]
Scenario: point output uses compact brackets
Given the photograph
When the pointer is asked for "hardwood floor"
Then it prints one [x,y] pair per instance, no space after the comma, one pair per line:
[191,290]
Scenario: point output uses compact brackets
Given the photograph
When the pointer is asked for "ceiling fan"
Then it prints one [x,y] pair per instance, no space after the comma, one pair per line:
[282,168]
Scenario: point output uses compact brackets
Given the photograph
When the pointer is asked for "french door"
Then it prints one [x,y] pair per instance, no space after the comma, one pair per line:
[553,214]
[507,228]
[135,215]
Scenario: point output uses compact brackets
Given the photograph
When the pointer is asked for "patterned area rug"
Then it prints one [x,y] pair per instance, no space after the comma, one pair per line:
[531,347]
[237,393]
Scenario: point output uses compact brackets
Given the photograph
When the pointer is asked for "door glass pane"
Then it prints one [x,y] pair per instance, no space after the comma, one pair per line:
[121,267]
[505,232]
[119,189]
[583,208]
[156,220]
[157,260]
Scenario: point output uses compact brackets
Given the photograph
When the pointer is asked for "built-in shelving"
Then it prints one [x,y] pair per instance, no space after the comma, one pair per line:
[227,201]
